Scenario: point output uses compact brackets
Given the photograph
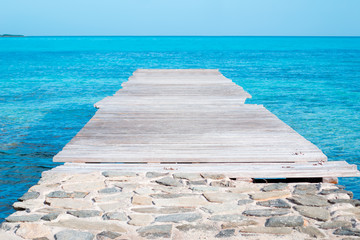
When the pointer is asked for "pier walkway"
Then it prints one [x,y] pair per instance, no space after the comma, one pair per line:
[190,119]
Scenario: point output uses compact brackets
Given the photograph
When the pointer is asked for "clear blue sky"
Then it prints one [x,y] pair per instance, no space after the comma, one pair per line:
[181,17]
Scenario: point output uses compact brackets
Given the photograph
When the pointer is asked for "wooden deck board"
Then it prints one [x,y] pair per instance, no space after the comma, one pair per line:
[185,116]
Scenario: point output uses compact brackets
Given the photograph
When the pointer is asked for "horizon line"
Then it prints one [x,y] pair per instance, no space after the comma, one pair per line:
[340,36]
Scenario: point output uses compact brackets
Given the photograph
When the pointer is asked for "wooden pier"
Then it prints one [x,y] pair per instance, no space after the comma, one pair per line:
[186,120]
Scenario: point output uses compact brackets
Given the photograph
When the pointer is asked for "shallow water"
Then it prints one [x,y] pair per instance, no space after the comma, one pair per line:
[48,86]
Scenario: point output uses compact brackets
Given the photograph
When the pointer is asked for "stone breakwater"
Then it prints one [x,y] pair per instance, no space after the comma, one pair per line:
[147,205]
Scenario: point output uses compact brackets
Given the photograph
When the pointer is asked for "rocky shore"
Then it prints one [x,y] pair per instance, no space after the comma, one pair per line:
[106,205]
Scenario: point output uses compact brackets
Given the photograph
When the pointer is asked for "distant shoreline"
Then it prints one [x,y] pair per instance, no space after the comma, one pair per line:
[11,35]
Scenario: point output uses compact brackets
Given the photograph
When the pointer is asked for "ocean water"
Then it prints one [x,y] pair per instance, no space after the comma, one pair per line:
[48,86]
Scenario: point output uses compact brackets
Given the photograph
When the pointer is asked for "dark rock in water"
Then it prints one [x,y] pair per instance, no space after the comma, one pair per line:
[288,221]
[317,213]
[50,216]
[155,231]
[309,200]
[29,195]
[277,203]
[336,191]
[105,235]
[24,218]
[155,174]
[84,213]
[169,181]
[188,217]
[225,233]
[110,190]
[302,189]
[266,212]
[73,235]
[275,187]
[347,232]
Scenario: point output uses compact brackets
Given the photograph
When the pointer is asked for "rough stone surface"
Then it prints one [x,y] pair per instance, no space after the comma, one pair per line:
[73,235]
[68,203]
[141,200]
[225,233]
[197,227]
[106,235]
[88,225]
[336,224]
[310,200]
[316,213]
[188,176]
[50,216]
[33,230]
[245,202]
[347,232]
[119,216]
[275,187]
[267,230]
[301,189]
[156,231]
[140,219]
[311,231]
[29,195]
[288,221]
[155,174]
[222,183]
[229,218]
[183,202]
[112,174]
[110,190]
[169,181]
[354,202]
[266,212]
[187,217]
[263,196]
[223,208]
[277,203]
[163,210]
[336,191]
[224,197]
[23,218]
[213,176]
[84,213]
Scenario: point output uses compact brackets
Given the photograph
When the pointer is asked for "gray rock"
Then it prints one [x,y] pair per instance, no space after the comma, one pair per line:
[302,189]
[228,218]
[29,195]
[213,176]
[277,203]
[267,230]
[163,210]
[79,194]
[316,213]
[84,213]
[120,216]
[347,232]
[245,201]
[118,174]
[222,183]
[188,176]
[106,235]
[24,218]
[172,195]
[336,191]
[198,227]
[275,187]
[59,194]
[225,233]
[155,174]
[155,231]
[41,238]
[168,181]
[73,235]
[288,221]
[336,224]
[354,202]
[50,216]
[204,189]
[110,190]
[266,212]
[198,182]
[188,217]
[311,231]
[309,200]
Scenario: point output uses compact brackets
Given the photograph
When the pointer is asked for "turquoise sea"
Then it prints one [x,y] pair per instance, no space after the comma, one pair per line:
[48,86]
